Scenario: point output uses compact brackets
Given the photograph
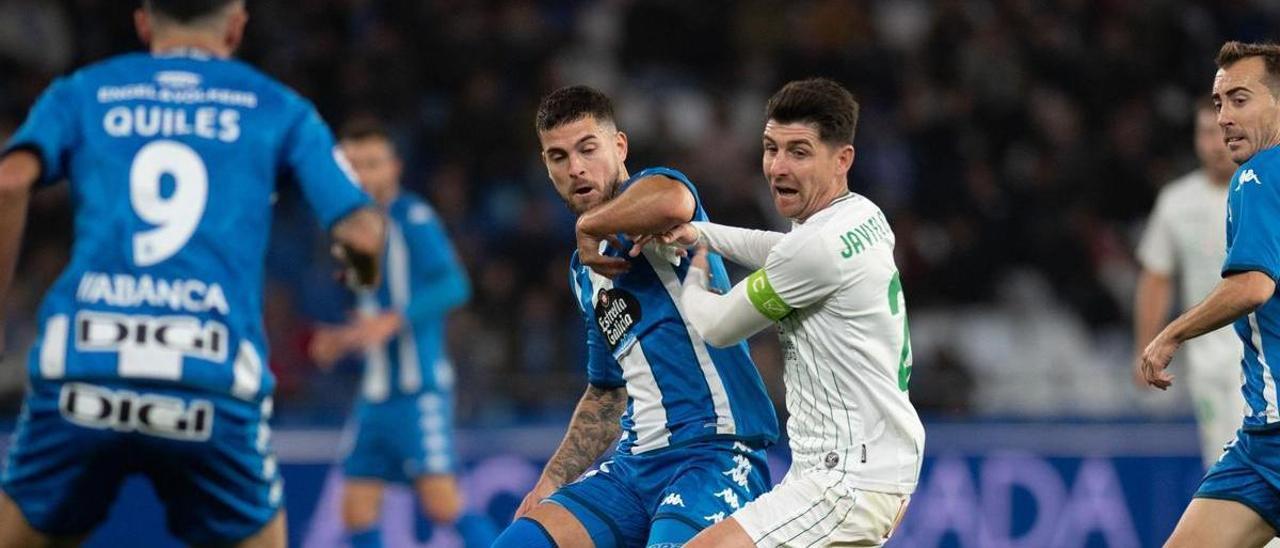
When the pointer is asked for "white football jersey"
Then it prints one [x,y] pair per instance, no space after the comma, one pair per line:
[846,346]
[1186,238]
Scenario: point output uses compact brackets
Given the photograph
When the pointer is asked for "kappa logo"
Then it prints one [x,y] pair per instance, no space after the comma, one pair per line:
[741,470]
[715,518]
[674,499]
[1248,176]
[729,497]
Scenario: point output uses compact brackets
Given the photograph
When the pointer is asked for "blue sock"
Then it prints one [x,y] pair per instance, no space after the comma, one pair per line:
[423,528]
[524,533]
[476,530]
[368,538]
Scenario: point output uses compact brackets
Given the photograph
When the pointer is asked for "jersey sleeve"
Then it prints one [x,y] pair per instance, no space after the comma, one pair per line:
[318,166]
[603,370]
[50,131]
[1256,246]
[799,272]
[1156,250]
[439,281]
[699,214]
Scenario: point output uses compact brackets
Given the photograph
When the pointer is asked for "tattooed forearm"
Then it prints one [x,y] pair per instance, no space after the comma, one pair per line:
[593,428]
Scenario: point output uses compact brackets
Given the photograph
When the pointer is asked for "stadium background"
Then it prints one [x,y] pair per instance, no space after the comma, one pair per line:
[1015,145]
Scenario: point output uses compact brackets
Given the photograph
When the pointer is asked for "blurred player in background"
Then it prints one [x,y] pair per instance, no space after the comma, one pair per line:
[694,419]
[404,412]
[1238,502]
[1184,241]
[831,287]
[151,352]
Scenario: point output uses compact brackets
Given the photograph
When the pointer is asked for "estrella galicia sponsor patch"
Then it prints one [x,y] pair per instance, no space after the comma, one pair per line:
[617,312]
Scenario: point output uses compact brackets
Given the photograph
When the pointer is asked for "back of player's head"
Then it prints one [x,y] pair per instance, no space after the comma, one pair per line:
[817,101]
[186,11]
[1233,51]
[573,103]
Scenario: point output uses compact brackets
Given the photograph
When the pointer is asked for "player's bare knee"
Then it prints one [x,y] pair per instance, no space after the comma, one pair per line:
[358,515]
[441,509]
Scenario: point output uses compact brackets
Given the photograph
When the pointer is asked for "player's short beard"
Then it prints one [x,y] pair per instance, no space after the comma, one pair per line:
[608,193]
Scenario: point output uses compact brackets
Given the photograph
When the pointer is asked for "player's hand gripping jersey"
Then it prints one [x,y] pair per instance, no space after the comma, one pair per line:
[173,162]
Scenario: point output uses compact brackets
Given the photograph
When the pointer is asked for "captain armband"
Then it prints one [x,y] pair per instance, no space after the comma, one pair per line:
[764,298]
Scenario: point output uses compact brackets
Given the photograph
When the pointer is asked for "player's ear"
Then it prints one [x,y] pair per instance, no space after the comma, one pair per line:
[236,22]
[142,24]
[623,146]
[844,159]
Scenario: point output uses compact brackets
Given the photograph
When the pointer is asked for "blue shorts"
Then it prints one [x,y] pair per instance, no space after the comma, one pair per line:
[1248,473]
[207,455]
[403,438]
[665,497]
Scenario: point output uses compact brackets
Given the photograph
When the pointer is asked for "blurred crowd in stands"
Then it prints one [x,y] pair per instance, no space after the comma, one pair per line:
[1016,147]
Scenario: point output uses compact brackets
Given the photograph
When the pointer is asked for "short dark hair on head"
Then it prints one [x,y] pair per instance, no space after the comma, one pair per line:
[573,103]
[818,101]
[1270,53]
[186,11]
[361,128]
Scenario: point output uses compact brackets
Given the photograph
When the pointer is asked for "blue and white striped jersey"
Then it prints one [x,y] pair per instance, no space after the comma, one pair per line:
[1253,244]
[172,160]
[679,388]
[423,280]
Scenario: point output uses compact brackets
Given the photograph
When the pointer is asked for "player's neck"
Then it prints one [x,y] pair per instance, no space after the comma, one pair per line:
[826,202]
[385,199]
[176,40]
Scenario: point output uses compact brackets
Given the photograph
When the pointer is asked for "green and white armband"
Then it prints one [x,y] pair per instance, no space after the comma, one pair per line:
[764,298]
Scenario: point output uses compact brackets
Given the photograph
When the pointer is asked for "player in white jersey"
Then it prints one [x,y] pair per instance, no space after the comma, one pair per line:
[833,290]
[1184,240]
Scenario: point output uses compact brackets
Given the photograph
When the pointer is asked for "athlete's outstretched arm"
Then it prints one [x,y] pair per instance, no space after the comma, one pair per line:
[359,237]
[1236,295]
[721,320]
[18,173]
[593,429]
[651,205]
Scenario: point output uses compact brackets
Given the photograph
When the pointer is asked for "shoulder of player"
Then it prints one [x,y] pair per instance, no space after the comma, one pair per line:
[663,173]
[1265,163]
[842,230]
[1188,189]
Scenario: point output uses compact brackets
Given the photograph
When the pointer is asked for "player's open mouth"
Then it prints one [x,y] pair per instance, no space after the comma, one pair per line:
[1233,140]
[583,190]
[783,191]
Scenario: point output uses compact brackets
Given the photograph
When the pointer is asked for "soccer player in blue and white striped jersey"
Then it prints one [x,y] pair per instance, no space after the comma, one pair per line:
[691,420]
[403,425]
[1238,502]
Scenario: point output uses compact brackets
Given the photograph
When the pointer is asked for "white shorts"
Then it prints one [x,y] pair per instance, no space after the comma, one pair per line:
[817,508]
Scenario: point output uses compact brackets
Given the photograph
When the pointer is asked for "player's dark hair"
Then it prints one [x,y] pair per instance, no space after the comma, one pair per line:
[362,128]
[186,11]
[820,102]
[573,103]
[1234,51]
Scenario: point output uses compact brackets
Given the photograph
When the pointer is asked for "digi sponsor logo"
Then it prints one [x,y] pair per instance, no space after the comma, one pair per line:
[181,335]
[124,411]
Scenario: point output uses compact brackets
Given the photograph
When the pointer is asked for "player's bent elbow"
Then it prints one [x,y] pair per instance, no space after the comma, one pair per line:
[18,173]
